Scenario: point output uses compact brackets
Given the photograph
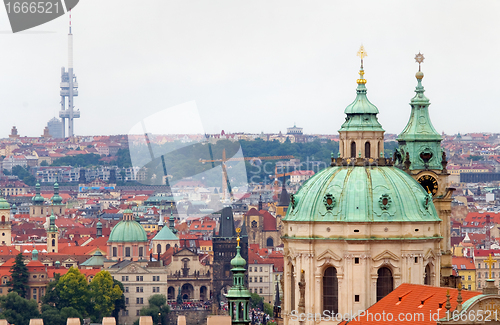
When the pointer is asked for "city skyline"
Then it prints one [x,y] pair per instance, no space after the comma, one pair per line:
[256,67]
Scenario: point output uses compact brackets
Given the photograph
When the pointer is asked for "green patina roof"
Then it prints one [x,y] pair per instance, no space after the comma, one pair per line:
[419,138]
[357,195]
[361,114]
[128,211]
[52,223]
[38,199]
[4,205]
[128,231]
[56,198]
[238,261]
[419,126]
[96,260]
[165,234]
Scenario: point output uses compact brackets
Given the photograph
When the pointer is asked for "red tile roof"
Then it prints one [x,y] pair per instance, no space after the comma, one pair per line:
[463,263]
[417,300]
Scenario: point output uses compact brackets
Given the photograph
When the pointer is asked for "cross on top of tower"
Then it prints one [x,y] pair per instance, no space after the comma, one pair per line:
[490,262]
[361,53]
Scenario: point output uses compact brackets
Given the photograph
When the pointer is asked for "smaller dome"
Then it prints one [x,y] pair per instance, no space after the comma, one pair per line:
[4,205]
[238,261]
[58,263]
[127,211]
[128,231]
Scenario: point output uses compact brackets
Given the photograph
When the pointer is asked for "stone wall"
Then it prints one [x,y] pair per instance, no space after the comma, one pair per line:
[193,317]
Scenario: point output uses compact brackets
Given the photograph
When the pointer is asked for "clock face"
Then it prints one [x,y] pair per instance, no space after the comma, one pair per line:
[429,184]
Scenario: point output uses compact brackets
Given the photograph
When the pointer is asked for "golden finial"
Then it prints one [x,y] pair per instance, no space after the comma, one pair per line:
[238,230]
[490,262]
[361,53]
[419,58]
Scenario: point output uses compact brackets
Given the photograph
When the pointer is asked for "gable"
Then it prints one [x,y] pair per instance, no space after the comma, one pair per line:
[386,255]
[328,254]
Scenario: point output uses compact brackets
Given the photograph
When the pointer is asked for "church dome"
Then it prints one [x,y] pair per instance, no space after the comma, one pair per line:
[361,194]
[128,231]
[4,205]
[38,199]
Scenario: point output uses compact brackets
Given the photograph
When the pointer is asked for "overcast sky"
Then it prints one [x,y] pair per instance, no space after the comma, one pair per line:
[253,66]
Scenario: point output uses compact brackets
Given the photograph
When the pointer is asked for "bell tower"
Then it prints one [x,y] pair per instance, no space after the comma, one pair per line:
[5,224]
[361,135]
[421,156]
[52,236]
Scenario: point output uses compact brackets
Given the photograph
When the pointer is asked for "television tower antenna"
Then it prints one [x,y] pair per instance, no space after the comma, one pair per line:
[69,89]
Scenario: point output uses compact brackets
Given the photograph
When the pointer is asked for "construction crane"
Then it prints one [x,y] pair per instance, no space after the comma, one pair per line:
[226,186]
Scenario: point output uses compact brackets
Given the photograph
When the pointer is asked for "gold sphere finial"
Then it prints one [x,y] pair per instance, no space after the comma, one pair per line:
[238,230]
[361,53]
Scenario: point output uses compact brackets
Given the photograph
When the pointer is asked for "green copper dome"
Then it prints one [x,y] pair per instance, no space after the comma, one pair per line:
[128,211]
[238,261]
[4,205]
[361,194]
[38,199]
[52,223]
[56,198]
[361,113]
[128,231]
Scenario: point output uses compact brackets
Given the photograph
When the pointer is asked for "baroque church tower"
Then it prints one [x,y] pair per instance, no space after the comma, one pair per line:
[357,229]
[421,156]
[361,135]
[5,223]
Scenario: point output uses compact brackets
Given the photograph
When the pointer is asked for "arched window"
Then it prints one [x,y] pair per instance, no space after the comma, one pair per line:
[270,242]
[427,277]
[367,150]
[353,149]
[168,246]
[385,283]
[53,242]
[171,293]
[3,219]
[330,290]
[158,248]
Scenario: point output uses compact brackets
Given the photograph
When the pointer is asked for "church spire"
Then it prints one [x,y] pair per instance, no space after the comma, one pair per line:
[171,221]
[361,117]
[239,296]
[419,139]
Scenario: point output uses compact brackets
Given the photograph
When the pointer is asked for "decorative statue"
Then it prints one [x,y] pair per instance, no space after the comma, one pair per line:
[282,284]
[302,289]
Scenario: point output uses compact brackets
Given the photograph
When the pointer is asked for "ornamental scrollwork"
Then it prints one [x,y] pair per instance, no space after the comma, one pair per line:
[329,201]
[385,201]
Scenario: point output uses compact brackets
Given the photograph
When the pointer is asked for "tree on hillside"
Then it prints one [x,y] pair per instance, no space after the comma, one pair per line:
[17,310]
[104,293]
[20,277]
[74,291]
